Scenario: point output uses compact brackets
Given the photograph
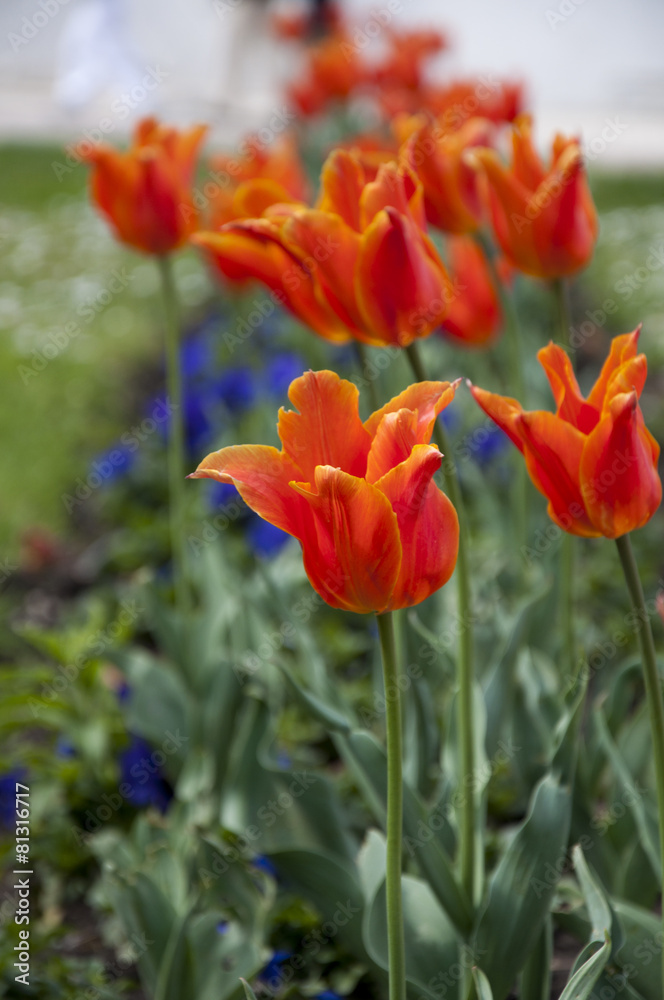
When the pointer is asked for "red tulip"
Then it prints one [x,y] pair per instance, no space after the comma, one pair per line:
[474,316]
[544,219]
[145,193]
[377,534]
[593,459]
[358,265]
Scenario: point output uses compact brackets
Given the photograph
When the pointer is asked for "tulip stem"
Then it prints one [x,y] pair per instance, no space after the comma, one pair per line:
[567,542]
[518,386]
[465,664]
[653,683]
[396,947]
[365,368]
[176,469]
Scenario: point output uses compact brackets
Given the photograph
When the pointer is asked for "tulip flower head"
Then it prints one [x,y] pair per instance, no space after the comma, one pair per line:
[359,265]
[593,459]
[475,315]
[145,192]
[544,219]
[377,534]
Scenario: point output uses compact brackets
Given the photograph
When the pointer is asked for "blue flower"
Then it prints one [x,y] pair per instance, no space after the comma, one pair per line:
[221,494]
[222,927]
[280,371]
[147,787]
[271,973]
[195,356]
[235,388]
[327,995]
[263,538]
[63,747]
[123,692]
[8,784]
[112,464]
[197,426]
[486,443]
[264,864]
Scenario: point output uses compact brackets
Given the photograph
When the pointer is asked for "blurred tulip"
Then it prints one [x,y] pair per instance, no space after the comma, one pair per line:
[474,315]
[451,197]
[403,65]
[145,192]
[334,70]
[594,459]
[544,220]
[377,534]
[359,265]
[262,176]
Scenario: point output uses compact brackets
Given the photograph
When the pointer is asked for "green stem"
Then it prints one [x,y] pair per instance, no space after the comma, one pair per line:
[465,664]
[515,383]
[395,934]
[567,545]
[176,466]
[652,679]
[363,358]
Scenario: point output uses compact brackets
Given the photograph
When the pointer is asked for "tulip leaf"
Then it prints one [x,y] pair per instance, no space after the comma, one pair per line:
[522,886]
[421,839]
[248,992]
[583,981]
[632,796]
[483,987]
[641,949]
[325,714]
[536,978]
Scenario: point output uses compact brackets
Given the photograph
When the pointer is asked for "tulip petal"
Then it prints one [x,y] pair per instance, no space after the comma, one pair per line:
[429,399]
[552,449]
[570,404]
[428,526]
[623,348]
[342,180]
[327,430]
[355,562]
[401,291]
[392,444]
[395,187]
[619,470]
[504,411]
[261,475]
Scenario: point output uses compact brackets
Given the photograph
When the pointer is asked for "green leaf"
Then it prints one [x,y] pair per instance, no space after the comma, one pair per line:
[596,903]
[536,978]
[482,986]
[421,840]
[632,796]
[325,714]
[248,992]
[641,950]
[522,887]
[582,983]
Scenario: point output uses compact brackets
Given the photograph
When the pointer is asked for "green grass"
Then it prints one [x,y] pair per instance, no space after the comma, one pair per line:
[78,316]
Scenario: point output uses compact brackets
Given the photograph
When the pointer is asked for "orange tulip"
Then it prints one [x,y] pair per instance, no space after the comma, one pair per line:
[403,65]
[452,105]
[451,195]
[594,459]
[145,193]
[358,265]
[334,70]
[377,534]
[544,220]
[261,176]
[474,315]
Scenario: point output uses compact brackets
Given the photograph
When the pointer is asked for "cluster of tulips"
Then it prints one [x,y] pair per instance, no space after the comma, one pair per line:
[361,264]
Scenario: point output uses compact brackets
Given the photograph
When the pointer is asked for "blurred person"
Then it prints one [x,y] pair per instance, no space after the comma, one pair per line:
[95,54]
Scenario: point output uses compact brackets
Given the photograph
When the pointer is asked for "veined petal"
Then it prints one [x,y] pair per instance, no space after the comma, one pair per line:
[342,181]
[631,376]
[552,449]
[570,404]
[327,430]
[356,559]
[528,167]
[394,187]
[622,349]
[261,475]
[402,293]
[504,411]
[619,475]
[428,399]
[392,444]
[428,527]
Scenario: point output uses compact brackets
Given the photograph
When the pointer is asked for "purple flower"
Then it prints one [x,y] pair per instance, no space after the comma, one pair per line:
[8,784]
[263,538]
[235,388]
[138,770]
[280,371]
